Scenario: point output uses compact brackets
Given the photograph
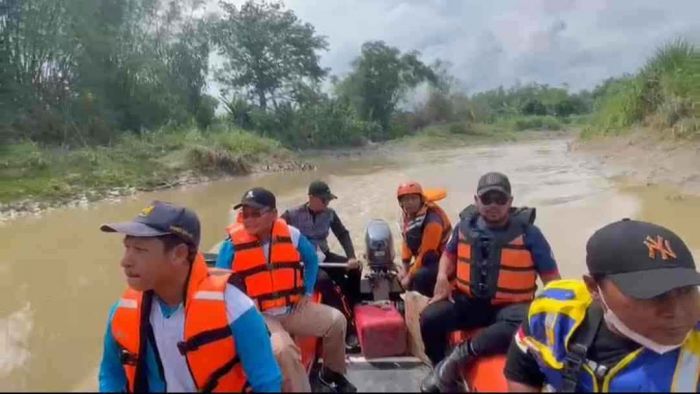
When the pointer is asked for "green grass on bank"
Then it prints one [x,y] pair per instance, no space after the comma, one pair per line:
[503,130]
[153,160]
[664,96]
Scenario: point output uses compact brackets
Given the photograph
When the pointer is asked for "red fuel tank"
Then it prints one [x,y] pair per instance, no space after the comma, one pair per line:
[381,330]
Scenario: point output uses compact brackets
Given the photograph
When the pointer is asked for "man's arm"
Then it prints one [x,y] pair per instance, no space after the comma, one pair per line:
[448,260]
[310,259]
[542,255]
[111,376]
[226,252]
[253,345]
[521,370]
[448,264]
[406,254]
[430,242]
[343,236]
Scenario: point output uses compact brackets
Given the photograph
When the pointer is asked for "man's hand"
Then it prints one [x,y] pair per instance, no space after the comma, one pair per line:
[406,280]
[353,264]
[305,299]
[443,289]
[404,275]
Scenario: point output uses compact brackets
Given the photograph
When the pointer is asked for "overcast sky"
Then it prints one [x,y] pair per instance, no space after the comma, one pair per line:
[499,42]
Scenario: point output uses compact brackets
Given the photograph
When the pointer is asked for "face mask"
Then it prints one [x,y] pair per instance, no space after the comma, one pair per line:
[615,321]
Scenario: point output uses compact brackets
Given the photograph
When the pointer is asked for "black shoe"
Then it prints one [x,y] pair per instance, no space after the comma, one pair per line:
[352,344]
[336,381]
[446,377]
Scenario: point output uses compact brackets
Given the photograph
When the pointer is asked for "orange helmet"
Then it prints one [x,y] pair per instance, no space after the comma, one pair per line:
[409,188]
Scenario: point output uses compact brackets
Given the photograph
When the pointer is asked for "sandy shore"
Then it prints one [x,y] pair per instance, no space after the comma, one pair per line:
[648,158]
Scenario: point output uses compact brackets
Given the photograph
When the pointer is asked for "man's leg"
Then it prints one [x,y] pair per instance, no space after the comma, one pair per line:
[348,280]
[329,324]
[288,357]
[424,281]
[438,320]
[468,313]
[330,295]
[496,338]
[333,296]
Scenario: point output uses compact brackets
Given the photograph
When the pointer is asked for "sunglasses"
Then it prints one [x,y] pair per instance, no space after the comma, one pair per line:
[253,213]
[491,198]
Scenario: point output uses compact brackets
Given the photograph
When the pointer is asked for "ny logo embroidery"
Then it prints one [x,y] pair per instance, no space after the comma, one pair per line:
[146,211]
[659,245]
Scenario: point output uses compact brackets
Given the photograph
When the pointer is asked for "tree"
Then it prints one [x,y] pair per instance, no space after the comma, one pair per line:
[380,77]
[267,51]
[82,71]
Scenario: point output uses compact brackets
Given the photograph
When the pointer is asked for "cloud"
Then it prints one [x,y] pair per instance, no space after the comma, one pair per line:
[579,42]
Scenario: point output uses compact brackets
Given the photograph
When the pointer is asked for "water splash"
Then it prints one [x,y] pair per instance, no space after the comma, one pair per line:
[15,330]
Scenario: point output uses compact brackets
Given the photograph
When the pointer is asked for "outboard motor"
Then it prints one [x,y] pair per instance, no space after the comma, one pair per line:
[380,246]
[381,279]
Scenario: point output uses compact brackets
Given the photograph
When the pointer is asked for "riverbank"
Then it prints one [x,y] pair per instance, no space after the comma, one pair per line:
[34,180]
[646,157]
[441,136]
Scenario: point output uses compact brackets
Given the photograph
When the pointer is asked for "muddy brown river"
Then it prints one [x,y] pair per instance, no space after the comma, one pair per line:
[59,274]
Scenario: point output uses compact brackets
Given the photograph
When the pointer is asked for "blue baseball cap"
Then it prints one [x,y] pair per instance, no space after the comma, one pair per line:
[158,219]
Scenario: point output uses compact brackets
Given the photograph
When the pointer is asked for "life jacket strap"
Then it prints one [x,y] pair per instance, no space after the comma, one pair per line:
[202,339]
[578,348]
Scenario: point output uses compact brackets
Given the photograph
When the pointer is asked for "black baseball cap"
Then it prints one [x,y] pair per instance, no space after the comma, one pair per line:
[161,218]
[320,189]
[259,198]
[643,259]
[493,181]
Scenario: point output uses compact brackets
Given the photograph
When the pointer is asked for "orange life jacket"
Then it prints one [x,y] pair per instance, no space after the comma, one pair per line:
[274,282]
[208,343]
[412,231]
[502,271]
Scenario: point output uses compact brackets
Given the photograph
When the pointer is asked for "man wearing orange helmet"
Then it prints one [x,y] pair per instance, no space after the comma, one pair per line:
[425,231]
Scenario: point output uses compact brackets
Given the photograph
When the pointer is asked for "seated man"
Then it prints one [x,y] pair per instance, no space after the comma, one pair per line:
[426,229]
[154,343]
[631,325]
[315,220]
[265,255]
[497,253]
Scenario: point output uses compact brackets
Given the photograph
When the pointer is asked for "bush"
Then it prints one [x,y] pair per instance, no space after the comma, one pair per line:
[213,159]
[534,122]
[664,93]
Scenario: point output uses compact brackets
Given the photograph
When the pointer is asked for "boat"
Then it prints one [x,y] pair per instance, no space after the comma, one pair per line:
[376,368]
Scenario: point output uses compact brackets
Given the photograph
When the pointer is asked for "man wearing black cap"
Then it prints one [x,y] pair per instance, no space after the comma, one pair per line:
[631,325]
[495,254]
[266,256]
[157,331]
[315,219]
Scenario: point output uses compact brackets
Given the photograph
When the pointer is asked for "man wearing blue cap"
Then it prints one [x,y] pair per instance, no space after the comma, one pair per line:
[179,327]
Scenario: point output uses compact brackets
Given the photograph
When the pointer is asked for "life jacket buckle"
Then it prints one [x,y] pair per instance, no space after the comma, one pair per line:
[127,358]
[576,356]
[184,348]
[481,290]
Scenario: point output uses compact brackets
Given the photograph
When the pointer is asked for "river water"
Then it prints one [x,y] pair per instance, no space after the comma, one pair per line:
[59,274]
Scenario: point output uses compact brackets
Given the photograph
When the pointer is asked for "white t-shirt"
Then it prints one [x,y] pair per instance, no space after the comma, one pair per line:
[168,331]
